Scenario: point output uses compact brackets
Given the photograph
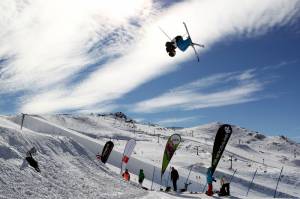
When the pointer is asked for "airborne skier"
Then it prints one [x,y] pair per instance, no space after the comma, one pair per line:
[180,43]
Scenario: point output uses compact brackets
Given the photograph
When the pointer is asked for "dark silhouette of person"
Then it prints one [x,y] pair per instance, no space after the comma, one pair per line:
[174,178]
[32,162]
[225,187]
[178,42]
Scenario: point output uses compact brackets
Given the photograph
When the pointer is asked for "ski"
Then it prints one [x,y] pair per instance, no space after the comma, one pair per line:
[193,44]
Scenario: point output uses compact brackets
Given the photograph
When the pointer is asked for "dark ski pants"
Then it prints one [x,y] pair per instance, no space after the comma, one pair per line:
[32,162]
[225,189]
[175,185]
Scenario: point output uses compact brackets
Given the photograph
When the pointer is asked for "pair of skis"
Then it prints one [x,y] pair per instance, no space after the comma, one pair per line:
[189,36]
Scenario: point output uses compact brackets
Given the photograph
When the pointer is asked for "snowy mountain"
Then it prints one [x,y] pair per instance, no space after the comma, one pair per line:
[67,145]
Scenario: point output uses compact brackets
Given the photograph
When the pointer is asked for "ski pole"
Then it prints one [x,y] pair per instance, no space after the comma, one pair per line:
[168,178]
[278,182]
[251,182]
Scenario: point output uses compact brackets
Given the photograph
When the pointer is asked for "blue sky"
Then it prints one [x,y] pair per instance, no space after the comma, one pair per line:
[94,57]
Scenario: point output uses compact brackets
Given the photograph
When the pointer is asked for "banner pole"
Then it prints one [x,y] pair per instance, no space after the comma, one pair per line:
[168,177]
[152,178]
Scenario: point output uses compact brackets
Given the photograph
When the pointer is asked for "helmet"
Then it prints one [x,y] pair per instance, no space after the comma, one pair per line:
[172,53]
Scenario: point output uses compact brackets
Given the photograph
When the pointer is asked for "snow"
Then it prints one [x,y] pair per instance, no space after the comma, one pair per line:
[67,145]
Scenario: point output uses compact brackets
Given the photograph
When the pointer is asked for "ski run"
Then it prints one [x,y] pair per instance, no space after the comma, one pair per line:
[67,146]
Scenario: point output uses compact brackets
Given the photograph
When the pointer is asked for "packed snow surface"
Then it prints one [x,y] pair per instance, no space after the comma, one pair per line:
[67,146]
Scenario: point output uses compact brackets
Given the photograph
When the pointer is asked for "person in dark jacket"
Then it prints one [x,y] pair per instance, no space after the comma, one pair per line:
[174,178]
[225,187]
[210,179]
[32,162]
[141,176]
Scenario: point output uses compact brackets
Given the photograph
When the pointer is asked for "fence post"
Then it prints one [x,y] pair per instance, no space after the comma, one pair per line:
[251,182]
[278,182]
[231,161]
[22,120]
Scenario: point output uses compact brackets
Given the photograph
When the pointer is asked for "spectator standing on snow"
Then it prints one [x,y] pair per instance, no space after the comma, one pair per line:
[174,178]
[141,176]
[210,179]
[225,187]
[126,175]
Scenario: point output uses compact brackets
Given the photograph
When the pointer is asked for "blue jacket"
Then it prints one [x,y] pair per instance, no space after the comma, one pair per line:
[184,44]
[209,177]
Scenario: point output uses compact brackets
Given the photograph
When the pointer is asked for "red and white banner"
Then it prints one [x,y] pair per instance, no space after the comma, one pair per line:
[127,153]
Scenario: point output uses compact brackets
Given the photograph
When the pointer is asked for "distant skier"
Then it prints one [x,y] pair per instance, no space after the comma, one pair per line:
[225,187]
[210,179]
[141,177]
[29,160]
[174,178]
[126,175]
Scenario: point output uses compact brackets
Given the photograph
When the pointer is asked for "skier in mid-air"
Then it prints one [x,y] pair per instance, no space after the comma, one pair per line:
[180,43]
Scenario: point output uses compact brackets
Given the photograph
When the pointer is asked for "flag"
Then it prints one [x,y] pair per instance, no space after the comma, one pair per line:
[222,137]
[127,153]
[108,147]
[171,146]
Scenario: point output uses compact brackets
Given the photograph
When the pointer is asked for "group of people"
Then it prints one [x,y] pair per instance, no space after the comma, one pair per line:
[126,176]
[224,190]
[225,185]
[174,177]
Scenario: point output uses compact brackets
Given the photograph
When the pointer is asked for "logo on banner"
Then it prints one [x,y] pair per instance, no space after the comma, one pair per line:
[125,159]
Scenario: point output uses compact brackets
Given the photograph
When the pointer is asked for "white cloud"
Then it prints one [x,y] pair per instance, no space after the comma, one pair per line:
[47,44]
[47,41]
[280,65]
[192,95]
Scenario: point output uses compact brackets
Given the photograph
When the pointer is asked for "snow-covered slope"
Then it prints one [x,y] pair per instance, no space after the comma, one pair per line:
[68,171]
[67,145]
